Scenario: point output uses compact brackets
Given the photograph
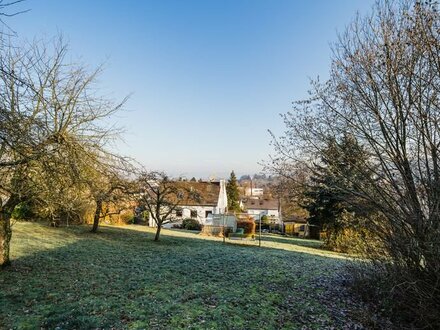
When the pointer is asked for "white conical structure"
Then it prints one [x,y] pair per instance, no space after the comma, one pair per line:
[222,203]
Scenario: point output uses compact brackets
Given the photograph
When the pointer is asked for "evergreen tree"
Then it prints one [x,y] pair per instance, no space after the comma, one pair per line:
[233,194]
[329,200]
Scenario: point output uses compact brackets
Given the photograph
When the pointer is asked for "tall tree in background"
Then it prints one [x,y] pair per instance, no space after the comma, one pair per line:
[329,201]
[233,193]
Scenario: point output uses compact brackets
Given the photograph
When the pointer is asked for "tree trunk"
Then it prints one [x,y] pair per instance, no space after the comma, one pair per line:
[5,237]
[5,229]
[156,238]
[97,216]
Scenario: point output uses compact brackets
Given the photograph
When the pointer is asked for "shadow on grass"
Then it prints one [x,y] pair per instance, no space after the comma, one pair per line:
[171,237]
[269,241]
[297,245]
[120,278]
[315,244]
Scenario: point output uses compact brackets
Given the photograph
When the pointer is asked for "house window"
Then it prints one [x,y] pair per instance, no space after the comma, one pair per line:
[179,212]
[207,213]
[193,214]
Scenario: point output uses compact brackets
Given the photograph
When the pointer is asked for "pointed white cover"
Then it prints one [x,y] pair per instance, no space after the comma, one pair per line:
[222,203]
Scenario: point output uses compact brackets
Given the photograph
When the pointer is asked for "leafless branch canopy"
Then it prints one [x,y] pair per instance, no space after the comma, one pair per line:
[384,91]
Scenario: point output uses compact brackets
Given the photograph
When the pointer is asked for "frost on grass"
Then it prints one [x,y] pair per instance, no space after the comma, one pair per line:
[122,279]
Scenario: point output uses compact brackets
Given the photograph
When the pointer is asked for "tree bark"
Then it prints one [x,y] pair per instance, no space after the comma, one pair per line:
[97,216]
[5,229]
[5,238]
[156,238]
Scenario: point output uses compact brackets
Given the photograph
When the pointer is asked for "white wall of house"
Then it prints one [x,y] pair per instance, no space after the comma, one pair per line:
[270,213]
[201,211]
[202,215]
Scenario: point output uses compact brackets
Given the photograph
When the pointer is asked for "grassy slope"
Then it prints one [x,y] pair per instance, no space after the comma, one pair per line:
[70,278]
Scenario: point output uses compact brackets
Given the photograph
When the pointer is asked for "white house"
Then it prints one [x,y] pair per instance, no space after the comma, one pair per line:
[257,207]
[213,200]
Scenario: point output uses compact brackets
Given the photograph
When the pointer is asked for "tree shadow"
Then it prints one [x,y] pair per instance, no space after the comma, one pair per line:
[315,244]
[269,241]
[121,278]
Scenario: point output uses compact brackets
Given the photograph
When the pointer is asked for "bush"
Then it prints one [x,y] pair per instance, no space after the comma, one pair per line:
[409,299]
[247,225]
[352,240]
[22,211]
[131,220]
[125,217]
[145,215]
[191,224]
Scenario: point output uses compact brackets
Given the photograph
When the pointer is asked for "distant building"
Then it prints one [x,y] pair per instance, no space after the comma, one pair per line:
[253,192]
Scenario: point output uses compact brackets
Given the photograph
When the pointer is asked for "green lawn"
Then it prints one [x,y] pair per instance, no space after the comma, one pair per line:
[68,278]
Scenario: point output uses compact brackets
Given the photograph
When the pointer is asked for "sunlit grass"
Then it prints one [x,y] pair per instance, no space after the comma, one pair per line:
[70,278]
[267,241]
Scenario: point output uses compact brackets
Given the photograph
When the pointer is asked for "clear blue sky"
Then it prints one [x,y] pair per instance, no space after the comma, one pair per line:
[208,77]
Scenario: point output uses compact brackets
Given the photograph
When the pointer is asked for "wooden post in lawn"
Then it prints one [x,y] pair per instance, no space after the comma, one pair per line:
[224,238]
[259,238]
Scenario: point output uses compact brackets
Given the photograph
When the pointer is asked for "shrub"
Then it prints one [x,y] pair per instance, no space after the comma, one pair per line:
[191,224]
[410,300]
[130,220]
[22,211]
[265,220]
[247,225]
[125,217]
[210,230]
[352,240]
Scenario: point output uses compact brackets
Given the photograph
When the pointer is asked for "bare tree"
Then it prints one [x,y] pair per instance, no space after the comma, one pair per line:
[8,9]
[289,189]
[51,123]
[112,189]
[384,91]
[161,196]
